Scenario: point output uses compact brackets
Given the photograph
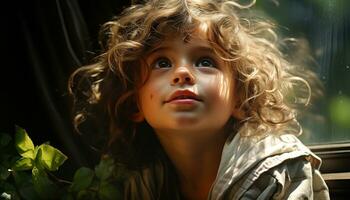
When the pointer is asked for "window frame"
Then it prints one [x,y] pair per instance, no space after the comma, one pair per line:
[335,168]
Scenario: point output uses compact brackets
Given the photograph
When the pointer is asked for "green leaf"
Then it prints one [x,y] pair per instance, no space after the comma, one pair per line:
[28,154]
[23,164]
[50,157]
[82,179]
[104,169]
[5,139]
[24,144]
[43,185]
[108,191]
[25,186]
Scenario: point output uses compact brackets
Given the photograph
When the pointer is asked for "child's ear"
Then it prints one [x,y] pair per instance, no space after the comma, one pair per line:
[137,117]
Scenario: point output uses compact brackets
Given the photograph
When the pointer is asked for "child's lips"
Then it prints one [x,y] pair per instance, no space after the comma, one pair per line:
[183,97]
[183,101]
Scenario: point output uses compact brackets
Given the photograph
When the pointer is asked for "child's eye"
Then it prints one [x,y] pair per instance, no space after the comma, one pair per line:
[205,62]
[162,63]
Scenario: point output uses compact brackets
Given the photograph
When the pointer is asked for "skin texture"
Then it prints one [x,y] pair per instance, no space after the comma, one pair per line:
[191,131]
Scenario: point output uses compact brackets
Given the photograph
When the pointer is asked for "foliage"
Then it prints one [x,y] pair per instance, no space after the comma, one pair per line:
[339,111]
[29,173]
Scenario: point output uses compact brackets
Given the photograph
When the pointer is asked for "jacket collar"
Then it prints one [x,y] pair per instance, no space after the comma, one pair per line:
[242,153]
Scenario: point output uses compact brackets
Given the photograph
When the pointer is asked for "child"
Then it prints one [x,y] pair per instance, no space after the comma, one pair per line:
[197,103]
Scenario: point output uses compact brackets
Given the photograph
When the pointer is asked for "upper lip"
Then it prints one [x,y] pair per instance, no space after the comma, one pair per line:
[183,94]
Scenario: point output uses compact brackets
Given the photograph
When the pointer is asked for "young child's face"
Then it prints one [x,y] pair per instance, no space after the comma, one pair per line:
[190,88]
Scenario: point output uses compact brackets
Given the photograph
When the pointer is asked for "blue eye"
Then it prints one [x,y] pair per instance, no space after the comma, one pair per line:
[162,63]
[205,62]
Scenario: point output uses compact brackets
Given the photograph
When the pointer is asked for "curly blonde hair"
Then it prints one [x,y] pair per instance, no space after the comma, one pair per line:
[267,85]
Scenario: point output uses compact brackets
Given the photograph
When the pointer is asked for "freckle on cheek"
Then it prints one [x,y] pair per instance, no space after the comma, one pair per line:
[151,96]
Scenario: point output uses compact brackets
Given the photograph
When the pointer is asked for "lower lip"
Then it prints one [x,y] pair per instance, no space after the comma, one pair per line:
[183,101]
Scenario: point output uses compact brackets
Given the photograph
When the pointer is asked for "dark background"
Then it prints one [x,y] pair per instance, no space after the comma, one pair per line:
[42,43]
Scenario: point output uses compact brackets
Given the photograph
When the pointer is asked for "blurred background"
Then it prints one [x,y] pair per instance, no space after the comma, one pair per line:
[44,41]
[325,24]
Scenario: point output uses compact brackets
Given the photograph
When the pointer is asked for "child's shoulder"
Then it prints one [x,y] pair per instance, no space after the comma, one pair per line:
[294,178]
[256,148]
[266,164]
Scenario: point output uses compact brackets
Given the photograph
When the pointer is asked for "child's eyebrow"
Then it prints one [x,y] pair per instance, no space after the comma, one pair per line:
[203,49]
[157,49]
[168,48]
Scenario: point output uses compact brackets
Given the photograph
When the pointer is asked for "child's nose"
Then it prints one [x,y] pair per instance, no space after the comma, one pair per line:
[183,75]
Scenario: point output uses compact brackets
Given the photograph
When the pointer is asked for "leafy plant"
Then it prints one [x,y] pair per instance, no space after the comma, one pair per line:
[27,172]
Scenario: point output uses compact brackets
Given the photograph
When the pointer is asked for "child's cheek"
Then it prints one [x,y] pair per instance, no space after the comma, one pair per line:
[221,88]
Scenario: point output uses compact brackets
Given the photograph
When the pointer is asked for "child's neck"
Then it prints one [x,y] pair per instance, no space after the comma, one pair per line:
[196,160]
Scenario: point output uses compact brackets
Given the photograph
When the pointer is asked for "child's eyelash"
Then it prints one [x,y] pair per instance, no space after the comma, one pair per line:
[206,61]
[162,62]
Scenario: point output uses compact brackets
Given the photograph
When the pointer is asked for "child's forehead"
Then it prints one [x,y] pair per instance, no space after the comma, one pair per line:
[196,36]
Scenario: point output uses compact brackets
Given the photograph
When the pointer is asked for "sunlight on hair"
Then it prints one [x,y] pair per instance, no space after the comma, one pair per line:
[263,75]
[203,27]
